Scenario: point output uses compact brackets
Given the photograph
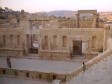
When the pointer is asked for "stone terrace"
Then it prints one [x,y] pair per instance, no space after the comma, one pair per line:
[38,69]
[100,73]
[48,66]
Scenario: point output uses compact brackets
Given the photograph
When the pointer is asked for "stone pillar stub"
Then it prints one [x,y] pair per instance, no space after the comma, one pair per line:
[106,34]
[97,20]
[77,20]
[94,20]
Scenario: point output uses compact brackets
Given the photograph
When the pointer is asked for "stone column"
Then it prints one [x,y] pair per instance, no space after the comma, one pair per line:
[49,43]
[88,48]
[94,21]
[106,34]
[97,21]
[40,44]
[77,20]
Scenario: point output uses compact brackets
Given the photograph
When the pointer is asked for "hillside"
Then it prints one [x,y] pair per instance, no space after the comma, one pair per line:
[63,13]
[68,13]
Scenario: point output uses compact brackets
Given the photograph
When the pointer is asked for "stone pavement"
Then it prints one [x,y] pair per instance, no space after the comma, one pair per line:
[48,66]
[100,73]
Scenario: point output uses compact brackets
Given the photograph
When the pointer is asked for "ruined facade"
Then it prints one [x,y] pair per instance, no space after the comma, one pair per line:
[90,21]
[54,42]
[12,42]
[16,37]
[66,43]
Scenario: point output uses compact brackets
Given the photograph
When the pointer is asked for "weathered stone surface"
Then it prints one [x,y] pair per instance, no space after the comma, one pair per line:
[52,47]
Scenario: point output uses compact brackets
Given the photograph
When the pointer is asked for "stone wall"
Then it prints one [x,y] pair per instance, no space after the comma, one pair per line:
[12,42]
[55,55]
[82,23]
[32,74]
[109,43]
[53,44]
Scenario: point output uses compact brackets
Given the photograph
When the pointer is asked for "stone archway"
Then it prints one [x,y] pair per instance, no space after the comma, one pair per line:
[95,16]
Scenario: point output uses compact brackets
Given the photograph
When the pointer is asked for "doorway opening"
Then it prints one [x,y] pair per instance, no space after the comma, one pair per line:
[54,77]
[77,47]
